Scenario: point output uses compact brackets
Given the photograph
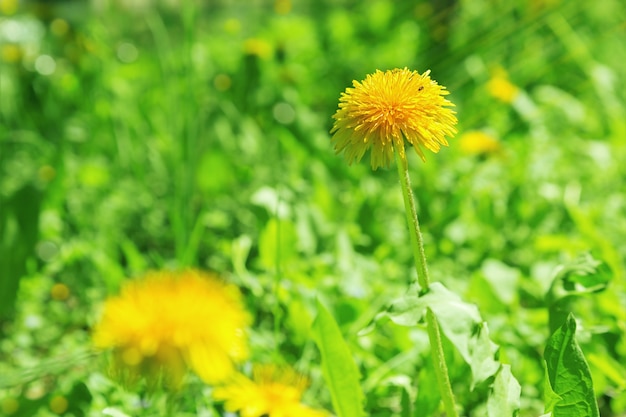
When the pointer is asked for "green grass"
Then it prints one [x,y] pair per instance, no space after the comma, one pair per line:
[197,135]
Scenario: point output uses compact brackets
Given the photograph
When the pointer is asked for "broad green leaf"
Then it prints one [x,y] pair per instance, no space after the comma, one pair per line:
[568,374]
[405,403]
[79,399]
[483,353]
[504,400]
[502,279]
[582,276]
[459,321]
[551,398]
[340,371]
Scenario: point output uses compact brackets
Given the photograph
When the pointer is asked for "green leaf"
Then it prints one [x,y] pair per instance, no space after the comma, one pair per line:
[502,278]
[428,396]
[459,321]
[568,375]
[278,243]
[505,396]
[405,403]
[582,276]
[551,398]
[340,371]
[483,353]
[19,230]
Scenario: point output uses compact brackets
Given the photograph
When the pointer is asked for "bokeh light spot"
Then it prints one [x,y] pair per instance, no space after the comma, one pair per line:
[284,113]
[45,65]
[127,52]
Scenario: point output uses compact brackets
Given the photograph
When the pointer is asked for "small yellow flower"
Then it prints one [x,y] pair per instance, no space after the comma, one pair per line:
[169,321]
[59,27]
[11,53]
[388,107]
[59,292]
[282,6]
[272,392]
[258,47]
[8,7]
[477,143]
[9,406]
[501,88]
[58,404]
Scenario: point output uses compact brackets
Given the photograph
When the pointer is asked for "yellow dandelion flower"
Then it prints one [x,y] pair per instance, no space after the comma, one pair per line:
[272,392]
[11,53]
[501,88]
[282,6]
[258,47]
[168,322]
[477,142]
[9,7]
[58,404]
[388,107]
[9,406]
[60,292]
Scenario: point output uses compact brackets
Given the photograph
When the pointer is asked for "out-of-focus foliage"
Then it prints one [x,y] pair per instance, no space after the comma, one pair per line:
[138,135]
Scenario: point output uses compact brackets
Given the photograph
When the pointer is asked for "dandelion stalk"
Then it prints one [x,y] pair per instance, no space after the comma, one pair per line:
[419,255]
[417,242]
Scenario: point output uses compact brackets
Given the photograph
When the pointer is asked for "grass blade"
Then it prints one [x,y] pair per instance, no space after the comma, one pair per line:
[340,371]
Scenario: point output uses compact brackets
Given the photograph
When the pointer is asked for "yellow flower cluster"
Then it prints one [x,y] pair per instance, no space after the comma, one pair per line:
[168,322]
[386,108]
[501,88]
[272,391]
[479,143]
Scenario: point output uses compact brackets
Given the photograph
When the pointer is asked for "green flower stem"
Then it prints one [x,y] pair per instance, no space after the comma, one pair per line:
[441,368]
[414,227]
[423,278]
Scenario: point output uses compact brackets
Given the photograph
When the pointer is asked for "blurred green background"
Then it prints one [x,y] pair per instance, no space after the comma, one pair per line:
[147,134]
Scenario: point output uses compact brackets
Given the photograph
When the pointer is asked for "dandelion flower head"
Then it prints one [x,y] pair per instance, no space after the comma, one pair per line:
[172,321]
[479,143]
[386,108]
[273,391]
[501,88]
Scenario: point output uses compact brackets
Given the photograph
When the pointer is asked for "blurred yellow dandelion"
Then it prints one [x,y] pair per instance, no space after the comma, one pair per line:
[59,27]
[258,47]
[168,322]
[476,142]
[11,53]
[9,406]
[60,292]
[272,392]
[501,88]
[8,7]
[58,404]
[282,6]
[388,107]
